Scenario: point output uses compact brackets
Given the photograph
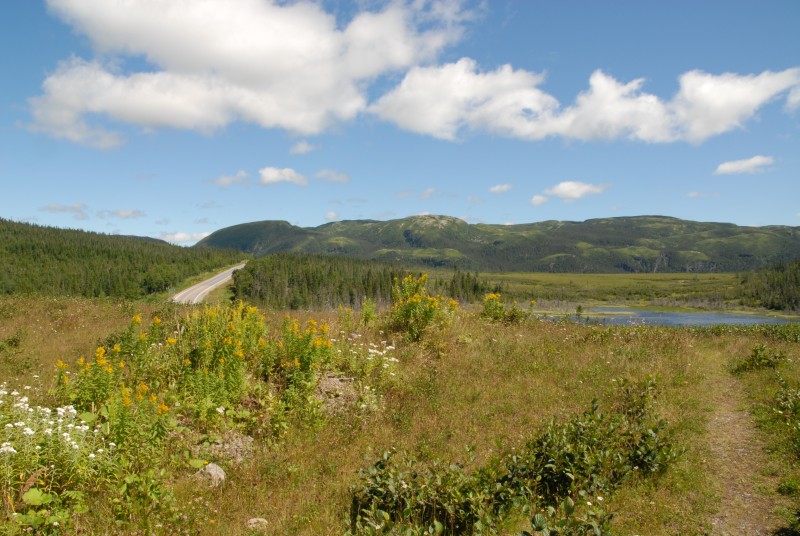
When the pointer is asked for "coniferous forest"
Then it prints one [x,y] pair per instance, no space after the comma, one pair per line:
[62,262]
[774,288]
[300,281]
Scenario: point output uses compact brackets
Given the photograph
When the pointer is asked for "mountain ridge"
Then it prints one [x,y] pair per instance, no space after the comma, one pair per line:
[602,245]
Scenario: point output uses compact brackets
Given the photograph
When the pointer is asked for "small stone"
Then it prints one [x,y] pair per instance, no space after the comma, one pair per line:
[213,473]
[258,523]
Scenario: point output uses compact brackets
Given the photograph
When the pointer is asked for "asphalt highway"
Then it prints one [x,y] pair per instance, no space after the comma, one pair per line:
[198,292]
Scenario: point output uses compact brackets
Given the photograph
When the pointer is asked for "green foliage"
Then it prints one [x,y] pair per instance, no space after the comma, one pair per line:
[414,310]
[787,408]
[761,357]
[494,309]
[567,520]
[777,287]
[587,457]
[50,261]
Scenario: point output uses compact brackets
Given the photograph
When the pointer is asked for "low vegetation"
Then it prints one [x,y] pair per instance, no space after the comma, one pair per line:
[419,416]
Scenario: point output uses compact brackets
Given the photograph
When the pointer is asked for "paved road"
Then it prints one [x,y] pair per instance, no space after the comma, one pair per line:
[196,293]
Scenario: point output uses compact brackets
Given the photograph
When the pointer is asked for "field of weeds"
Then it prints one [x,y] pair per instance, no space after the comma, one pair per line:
[421,418]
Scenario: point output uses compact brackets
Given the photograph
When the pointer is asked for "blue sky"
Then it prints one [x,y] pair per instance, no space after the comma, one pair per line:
[176,118]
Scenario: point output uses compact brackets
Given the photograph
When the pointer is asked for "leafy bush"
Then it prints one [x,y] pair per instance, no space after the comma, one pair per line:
[494,309]
[414,310]
[761,357]
[590,454]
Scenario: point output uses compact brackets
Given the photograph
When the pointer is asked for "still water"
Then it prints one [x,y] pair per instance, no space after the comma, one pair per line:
[622,316]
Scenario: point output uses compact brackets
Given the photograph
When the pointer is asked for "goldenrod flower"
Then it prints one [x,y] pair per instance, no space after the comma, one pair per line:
[171,341]
[156,321]
[60,364]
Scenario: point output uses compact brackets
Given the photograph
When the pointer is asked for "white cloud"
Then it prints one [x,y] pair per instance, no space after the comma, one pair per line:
[573,190]
[301,147]
[273,175]
[276,64]
[124,214]
[444,100]
[78,210]
[228,180]
[331,215]
[537,200]
[427,194]
[695,195]
[182,238]
[331,175]
[500,188]
[755,164]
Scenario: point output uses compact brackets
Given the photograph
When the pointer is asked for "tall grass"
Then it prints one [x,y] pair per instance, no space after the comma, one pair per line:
[170,388]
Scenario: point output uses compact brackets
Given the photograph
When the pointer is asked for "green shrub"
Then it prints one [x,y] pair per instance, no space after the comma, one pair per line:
[414,310]
[761,357]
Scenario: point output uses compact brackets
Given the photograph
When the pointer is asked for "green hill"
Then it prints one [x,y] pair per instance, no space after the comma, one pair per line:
[51,261]
[606,245]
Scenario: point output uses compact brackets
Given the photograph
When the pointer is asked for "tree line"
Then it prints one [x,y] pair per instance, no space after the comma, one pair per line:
[304,281]
[777,287]
[51,261]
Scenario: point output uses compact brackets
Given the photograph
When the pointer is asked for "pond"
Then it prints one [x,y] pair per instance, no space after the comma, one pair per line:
[625,316]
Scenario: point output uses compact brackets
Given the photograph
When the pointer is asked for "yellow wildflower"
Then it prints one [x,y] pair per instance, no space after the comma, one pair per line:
[80,361]
[60,364]
[100,352]
[137,319]
[186,361]
[117,348]
[156,321]
[162,408]
[153,399]
[122,364]
[171,341]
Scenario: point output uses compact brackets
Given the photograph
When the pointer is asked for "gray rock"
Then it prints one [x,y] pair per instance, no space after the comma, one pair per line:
[213,474]
[258,524]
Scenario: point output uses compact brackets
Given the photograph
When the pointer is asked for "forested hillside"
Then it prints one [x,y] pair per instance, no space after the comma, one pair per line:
[608,245]
[51,261]
[299,281]
[775,288]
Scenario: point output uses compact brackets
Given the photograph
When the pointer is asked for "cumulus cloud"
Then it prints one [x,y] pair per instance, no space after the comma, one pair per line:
[755,164]
[444,100]
[301,147]
[78,210]
[331,175]
[331,215]
[573,190]
[123,214]
[287,65]
[182,238]
[538,199]
[500,188]
[273,175]
[229,180]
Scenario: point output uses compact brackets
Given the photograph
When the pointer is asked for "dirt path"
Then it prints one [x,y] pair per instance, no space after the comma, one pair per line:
[738,462]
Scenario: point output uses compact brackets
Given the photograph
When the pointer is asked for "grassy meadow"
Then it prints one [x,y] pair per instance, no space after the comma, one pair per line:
[426,417]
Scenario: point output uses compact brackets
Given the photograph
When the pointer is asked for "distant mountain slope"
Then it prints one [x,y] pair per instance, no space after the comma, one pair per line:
[51,261]
[633,244]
